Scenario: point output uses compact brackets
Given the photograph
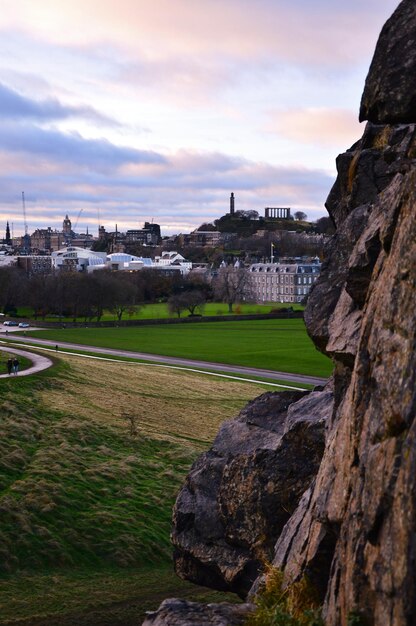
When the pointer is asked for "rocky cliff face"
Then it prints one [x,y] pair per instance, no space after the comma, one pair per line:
[239,495]
[352,527]
[352,533]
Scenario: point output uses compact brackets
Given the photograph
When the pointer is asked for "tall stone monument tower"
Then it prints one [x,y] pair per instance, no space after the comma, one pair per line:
[232,204]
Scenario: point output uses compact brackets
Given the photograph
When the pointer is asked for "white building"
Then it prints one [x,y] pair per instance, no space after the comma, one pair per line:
[121,261]
[73,259]
[173,260]
[168,262]
[7,260]
[283,282]
[83,260]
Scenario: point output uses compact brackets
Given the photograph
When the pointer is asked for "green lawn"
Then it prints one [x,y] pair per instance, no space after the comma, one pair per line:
[159,310]
[281,345]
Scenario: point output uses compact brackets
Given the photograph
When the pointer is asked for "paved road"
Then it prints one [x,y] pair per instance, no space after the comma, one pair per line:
[39,362]
[216,367]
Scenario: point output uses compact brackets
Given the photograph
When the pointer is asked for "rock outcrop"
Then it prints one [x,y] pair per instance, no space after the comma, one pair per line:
[352,530]
[389,93]
[174,612]
[239,495]
[353,533]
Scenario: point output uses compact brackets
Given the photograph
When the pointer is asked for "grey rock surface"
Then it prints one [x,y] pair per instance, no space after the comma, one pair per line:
[239,494]
[174,612]
[373,165]
[389,93]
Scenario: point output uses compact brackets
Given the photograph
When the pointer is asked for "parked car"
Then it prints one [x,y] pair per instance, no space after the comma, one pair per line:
[24,325]
[10,323]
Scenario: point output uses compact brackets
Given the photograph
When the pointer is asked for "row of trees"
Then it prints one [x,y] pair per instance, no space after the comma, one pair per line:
[87,296]
[230,285]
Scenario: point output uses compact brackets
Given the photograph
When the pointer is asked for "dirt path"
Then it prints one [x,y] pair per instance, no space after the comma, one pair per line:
[39,362]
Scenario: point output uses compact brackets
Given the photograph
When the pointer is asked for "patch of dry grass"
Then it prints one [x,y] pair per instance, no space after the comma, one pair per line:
[76,486]
[81,498]
[169,404]
[294,605]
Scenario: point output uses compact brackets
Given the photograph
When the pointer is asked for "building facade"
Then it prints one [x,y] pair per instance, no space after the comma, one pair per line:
[173,259]
[35,264]
[46,240]
[73,259]
[202,238]
[148,236]
[283,282]
[277,213]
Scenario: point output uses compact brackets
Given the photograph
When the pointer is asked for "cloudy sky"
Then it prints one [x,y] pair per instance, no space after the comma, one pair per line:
[133,110]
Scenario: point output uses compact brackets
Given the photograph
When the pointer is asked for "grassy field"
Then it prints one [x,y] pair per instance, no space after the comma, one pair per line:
[159,310]
[281,345]
[90,597]
[85,501]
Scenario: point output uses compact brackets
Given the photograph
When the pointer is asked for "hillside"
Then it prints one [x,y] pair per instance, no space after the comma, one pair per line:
[85,503]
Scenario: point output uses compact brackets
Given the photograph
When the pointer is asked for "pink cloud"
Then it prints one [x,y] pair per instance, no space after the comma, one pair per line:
[326,127]
[301,32]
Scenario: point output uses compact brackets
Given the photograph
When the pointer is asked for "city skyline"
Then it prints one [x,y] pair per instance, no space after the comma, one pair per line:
[134,112]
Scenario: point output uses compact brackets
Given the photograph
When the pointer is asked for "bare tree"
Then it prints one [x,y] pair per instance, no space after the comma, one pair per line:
[39,295]
[133,421]
[194,301]
[102,290]
[124,296]
[13,284]
[176,304]
[232,285]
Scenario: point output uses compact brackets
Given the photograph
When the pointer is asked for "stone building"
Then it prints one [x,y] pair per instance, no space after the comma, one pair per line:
[46,240]
[149,235]
[34,264]
[289,281]
[67,228]
[202,238]
[277,213]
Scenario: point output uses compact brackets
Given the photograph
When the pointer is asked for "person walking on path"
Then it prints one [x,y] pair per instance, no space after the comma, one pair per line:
[15,366]
[9,366]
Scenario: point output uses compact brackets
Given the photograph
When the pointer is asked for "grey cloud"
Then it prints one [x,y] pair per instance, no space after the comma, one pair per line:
[130,200]
[95,154]
[15,106]
[189,187]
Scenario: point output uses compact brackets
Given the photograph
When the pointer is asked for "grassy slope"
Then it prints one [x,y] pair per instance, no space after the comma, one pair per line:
[85,506]
[112,597]
[281,345]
